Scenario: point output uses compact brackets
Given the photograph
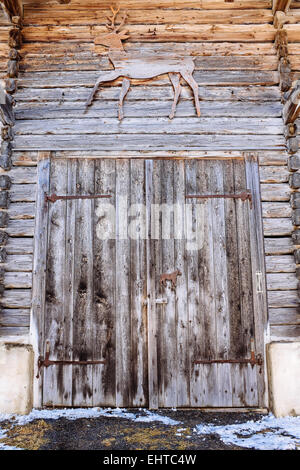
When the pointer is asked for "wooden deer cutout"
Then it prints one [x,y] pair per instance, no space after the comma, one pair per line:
[134,66]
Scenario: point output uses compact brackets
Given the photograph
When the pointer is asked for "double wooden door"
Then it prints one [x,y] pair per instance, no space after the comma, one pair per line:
[119,333]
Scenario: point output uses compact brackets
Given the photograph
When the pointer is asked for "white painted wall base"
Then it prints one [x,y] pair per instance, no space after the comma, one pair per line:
[16,377]
[284,378]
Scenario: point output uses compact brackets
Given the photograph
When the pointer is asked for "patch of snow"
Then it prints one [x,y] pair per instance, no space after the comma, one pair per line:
[269,433]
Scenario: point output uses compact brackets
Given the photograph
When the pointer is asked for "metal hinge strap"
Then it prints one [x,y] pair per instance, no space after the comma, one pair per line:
[54,197]
[244,196]
[254,360]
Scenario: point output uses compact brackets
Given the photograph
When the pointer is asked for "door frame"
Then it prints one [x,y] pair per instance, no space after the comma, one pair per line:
[257,262]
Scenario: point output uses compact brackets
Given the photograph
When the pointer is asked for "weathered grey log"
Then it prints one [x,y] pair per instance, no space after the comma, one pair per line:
[3,237]
[295,180]
[5,162]
[290,130]
[293,145]
[4,199]
[291,109]
[3,255]
[298,272]
[296,237]
[10,85]
[6,110]
[12,68]
[6,134]
[296,217]
[3,219]
[13,54]
[15,38]
[295,200]
[294,163]
[1,288]
[5,182]
[2,273]
[297,256]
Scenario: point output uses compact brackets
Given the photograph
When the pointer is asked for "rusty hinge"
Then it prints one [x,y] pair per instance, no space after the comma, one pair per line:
[254,360]
[54,197]
[244,196]
[47,362]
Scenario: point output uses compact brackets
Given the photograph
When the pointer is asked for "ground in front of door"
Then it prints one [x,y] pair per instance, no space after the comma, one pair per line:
[115,429]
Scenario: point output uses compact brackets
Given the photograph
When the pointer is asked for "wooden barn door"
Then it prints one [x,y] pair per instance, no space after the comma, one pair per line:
[204,332]
[113,334]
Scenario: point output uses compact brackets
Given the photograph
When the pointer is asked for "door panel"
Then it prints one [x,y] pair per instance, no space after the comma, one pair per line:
[159,345]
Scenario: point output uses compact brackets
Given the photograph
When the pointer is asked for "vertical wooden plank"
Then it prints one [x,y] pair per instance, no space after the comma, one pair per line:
[137,232]
[168,325]
[182,318]
[245,275]
[258,266]
[123,301]
[82,389]
[235,339]
[39,270]
[152,325]
[67,286]
[104,329]
[194,270]
[53,389]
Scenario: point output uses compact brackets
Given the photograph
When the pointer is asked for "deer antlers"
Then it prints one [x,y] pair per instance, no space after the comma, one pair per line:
[112,27]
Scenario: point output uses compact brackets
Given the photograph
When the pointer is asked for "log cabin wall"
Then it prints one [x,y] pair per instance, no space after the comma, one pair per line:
[237,72]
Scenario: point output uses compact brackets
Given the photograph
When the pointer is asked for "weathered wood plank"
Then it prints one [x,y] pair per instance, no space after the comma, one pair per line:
[18,280]
[285,333]
[153,108]
[158,125]
[21,228]
[21,263]
[282,281]
[273,174]
[277,227]
[16,298]
[22,210]
[155,142]
[275,192]
[23,192]
[276,209]
[284,316]
[19,246]
[279,246]
[14,318]
[25,175]
[67,79]
[280,264]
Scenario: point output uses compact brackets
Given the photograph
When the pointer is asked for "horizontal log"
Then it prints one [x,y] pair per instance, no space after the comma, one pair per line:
[17,263]
[15,318]
[22,175]
[276,210]
[20,228]
[291,109]
[36,49]
[174,4]
[16,298]
[137,93]
[285,333]
[273,174]
[19,246]
[7,332]
[275,192]
[22,193]
[284,316]
[69,110]
[22,210]
[24,159]
[160,33]
[86,62]
[280,264]
[217,77]
[279,299]
[17,280]
[273,246]
[277,227]
[152,142]
[282,281]
[84,16]
[273,158]
[153,126]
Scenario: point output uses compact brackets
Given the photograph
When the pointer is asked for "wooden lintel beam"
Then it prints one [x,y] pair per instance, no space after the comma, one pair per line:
[63,1]
[291,109]
[281,5]
[12,7]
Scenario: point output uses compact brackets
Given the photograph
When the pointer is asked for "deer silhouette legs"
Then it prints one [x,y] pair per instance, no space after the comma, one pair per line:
[106,77]
[194,86]
[175,80]
[124,91]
